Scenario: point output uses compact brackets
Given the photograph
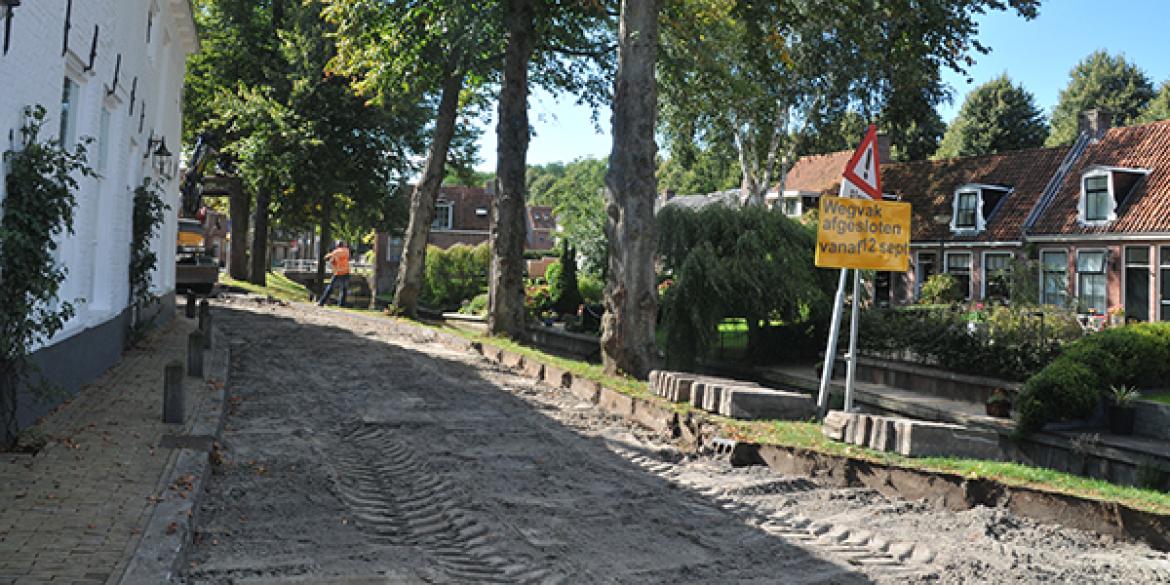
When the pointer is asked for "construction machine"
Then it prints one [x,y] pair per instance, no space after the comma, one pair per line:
[196,268]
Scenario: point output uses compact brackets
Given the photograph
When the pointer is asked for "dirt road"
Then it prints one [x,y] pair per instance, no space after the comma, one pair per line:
[354,456]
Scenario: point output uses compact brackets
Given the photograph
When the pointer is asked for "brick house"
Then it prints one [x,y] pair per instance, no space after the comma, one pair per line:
[1103,237]
[113,71]
[462,216]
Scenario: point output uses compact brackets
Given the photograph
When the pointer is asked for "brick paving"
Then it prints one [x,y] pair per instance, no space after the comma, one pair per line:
[72,513]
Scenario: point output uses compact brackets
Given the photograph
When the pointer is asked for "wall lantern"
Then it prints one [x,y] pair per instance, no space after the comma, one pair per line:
[158,148]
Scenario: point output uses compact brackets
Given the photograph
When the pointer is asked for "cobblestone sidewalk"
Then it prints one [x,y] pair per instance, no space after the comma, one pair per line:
[73,512]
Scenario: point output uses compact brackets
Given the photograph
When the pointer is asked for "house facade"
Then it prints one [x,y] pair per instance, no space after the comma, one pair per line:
[112,71]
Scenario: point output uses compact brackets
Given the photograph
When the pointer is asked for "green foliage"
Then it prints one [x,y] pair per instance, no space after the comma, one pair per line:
[941,289]
[997,116]
[1159,107]
[149,210]
[37,209]
[1072,385]
[1123,395]
[1002,342]
[592,288]
[574,191]
[537,298]
[562,281]
[752,263]
[476,306]
[455,274]
[1100,81]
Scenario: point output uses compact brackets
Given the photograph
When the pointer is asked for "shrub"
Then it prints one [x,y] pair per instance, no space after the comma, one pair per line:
[537,298]
[941,289]
[1004,342]
[455,274]
[592,288]
[476,306]
[562,281]
[1071,386]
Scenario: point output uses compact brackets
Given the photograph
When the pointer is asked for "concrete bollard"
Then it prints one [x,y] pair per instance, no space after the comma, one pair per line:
[195,354]
[205,323]
[190,305]
[173,396]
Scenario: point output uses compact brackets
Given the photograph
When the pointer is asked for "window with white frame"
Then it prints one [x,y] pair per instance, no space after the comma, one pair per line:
[925,267]
[791,206]
[966,204]
[1098,202]
[958,265]
[103,153]
[443,216]
[1091,281]
[1053,277]
[1164,255]
[997,275]
[70,95]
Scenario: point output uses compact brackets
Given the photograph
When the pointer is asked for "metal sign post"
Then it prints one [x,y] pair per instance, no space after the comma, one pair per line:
[856,231]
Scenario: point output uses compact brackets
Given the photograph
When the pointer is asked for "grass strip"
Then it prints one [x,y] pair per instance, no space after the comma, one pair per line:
[278,286]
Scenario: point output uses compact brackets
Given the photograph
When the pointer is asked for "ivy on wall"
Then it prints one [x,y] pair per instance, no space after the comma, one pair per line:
[40,182]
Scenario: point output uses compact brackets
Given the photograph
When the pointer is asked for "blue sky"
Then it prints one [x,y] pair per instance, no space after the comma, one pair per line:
[1038,54]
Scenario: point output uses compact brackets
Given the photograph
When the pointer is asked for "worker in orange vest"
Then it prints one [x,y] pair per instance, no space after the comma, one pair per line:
[339,260]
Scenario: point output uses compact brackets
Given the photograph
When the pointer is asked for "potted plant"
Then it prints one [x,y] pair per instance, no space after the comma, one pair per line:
[999,404]
[1121,413]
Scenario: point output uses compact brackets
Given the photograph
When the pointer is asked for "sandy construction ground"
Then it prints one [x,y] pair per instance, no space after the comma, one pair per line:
[352,456]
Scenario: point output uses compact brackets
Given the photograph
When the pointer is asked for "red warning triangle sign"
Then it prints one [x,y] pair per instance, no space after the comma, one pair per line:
[864,170]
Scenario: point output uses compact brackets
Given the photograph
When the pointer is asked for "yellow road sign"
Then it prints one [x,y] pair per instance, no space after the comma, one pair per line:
[865,234]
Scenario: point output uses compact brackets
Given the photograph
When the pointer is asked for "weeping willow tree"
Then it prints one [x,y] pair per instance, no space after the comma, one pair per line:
[752,263]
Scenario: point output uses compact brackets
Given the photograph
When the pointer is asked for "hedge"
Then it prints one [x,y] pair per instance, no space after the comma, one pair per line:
[1071,386]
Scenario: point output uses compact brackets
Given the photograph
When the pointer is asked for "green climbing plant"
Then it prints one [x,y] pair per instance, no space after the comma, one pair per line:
[149,210]
[40,179]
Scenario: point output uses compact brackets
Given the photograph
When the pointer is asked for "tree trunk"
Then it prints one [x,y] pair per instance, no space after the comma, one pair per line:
[238,207]
[326,242]
[422,201]
[9,382]
[260,239]
[506,314]
[631,298]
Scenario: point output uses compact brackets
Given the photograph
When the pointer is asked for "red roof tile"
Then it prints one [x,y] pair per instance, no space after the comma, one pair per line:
[1145,209]
[817,173]
[929,186]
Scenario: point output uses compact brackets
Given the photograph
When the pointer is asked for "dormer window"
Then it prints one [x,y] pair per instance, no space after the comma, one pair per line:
[973,205]
[1103,190]
[965,210]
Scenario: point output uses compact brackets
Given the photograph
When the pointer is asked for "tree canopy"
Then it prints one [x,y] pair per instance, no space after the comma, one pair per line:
[1100,81]
[995,117]
[1159,107]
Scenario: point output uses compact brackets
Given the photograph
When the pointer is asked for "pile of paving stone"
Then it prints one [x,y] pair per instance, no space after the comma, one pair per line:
[910,437]
[731,398]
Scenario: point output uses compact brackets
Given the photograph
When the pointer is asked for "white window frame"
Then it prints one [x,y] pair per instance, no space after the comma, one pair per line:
[1150,265]
[959,193]
[970,269]
[986,273]
[67,127]
[450,216]
[1042,273]
[918,277]
[1104,272]
[795,198]
[1083,204]
[1163,307]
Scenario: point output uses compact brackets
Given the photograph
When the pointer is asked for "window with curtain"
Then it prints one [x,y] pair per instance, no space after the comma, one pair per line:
[1053,277]
[1091,281]
[997,275]
[1097,200]
[965,210]
[959,266]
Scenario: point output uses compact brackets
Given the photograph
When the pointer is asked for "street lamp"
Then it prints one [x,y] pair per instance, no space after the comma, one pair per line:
[158,148]
[9,6]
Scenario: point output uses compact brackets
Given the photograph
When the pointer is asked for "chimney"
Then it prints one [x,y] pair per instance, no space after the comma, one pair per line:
[1095,121]
[883,148]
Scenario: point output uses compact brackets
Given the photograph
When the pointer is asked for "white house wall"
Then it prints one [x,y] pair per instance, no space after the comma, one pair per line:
[96,255]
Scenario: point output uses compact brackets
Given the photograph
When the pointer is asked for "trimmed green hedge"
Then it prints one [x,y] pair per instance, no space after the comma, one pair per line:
[1072,385]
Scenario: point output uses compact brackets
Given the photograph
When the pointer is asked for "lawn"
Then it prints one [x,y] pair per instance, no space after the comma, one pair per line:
[278,286]
[1162,397]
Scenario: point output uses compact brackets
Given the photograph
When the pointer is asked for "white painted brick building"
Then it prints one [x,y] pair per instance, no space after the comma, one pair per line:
[112,70]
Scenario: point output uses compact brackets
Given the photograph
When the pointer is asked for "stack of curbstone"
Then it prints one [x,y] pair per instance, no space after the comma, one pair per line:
[733,398]
[912,438]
